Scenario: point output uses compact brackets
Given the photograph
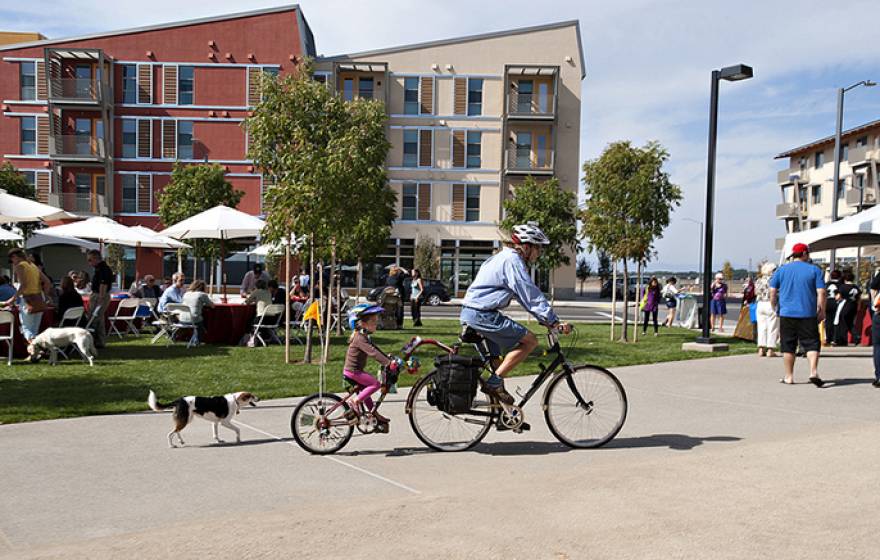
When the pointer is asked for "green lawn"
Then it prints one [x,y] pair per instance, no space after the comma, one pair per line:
[126,370]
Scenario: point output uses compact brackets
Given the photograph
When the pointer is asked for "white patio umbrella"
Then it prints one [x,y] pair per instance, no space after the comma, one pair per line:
[15,209]
[170,241]
[39,239]
[6,235]
[267,248]
[105,230]
[220,222]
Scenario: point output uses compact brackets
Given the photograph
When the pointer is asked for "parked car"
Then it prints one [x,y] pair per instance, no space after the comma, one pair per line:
[633,281]
[435,292]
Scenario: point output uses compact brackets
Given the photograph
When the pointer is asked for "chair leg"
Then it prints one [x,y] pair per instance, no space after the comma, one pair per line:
[9,346]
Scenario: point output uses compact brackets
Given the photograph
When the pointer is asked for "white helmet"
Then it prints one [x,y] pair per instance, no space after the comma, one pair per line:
[529,233]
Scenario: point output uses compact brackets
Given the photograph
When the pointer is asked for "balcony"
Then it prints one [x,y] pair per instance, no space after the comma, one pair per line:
[76,147]
[860,156]
[526,162]
[854,197]
[531,105]
[84,204]
[784,177]
[76,91]
[788,210]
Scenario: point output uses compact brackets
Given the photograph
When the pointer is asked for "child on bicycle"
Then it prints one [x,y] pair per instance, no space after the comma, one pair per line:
[364,319]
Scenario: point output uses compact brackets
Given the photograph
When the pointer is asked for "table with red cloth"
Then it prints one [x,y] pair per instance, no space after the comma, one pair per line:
[227,323]
[19,344]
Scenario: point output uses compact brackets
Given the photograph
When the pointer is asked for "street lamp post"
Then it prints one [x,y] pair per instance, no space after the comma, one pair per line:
[838,130]
[730,74]
[701,245]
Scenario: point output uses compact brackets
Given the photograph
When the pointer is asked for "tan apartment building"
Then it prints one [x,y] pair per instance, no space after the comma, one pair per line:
[12,37]
[806,184]
[469,119]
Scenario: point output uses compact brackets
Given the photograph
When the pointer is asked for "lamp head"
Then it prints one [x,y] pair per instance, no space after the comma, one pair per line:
[870,83]
[736,73]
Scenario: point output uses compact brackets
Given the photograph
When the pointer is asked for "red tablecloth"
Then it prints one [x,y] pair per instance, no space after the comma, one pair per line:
[19,346]
[226,323]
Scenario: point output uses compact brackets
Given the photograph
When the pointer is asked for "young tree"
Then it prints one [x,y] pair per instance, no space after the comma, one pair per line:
[427,258]
[584,271]
[629,199]
[555,210]
[727,271]
[194,189]
[14,183]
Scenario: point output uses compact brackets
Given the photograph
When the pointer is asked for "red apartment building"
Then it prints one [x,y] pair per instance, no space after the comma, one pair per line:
[97,122]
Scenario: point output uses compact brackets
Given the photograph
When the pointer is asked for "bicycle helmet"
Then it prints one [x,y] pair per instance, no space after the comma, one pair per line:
[529,233]
[360,311]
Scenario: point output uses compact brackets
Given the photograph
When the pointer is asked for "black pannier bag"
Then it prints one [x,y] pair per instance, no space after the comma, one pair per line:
[455,382]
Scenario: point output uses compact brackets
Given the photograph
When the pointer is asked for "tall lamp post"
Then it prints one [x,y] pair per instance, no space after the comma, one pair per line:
[701,241]
[838,130]
[730,74]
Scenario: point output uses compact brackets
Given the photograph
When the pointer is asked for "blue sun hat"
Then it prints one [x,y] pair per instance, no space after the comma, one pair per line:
[360,311]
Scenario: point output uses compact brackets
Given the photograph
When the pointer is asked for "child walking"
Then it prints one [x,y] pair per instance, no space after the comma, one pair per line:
[364,319]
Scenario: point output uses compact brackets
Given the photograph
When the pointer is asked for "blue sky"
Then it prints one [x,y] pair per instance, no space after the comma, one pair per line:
[648,66]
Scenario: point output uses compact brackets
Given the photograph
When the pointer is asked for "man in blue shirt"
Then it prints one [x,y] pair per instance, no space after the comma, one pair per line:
[502,277]
[174,293]
[797,289]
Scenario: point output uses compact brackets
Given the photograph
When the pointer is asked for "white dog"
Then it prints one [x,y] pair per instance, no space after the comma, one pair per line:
[217,410]
[52,340]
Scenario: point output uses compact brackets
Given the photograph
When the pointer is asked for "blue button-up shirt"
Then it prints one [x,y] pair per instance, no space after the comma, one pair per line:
[504,277]
[171,295]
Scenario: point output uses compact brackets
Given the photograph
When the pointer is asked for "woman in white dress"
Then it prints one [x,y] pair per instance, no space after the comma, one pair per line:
[768,320]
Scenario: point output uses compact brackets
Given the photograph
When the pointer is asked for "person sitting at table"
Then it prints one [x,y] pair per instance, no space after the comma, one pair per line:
[69,298]
[196,299]
[31,304]
[299,295]
[147,288]
[260,296]
[166,283]
[249,283]
[174,294]
[7,290]
[278,294]
[83,283]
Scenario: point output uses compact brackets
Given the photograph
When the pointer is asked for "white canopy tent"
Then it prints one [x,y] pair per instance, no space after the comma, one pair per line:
[14,209]
[856,230]
[6,235]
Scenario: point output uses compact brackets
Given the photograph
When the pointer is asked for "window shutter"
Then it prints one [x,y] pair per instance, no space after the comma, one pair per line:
[424,210]
[169,139]
[42,135]
[42,87]
[169,84]
[426,156]
[144,138]
[426,98]
[458,148]
[43,184]
[145,83]
[266,183]
[457,203]
[144,194]
[460,101]
[253,89]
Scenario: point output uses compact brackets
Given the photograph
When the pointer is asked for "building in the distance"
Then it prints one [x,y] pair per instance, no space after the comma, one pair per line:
[806,183]
[97,122]
[13,37]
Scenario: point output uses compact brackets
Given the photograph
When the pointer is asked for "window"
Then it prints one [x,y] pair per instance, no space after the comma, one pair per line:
[365,88]
[129,138]
[473,149]
[817,194]
[410,148]
[472,204]
[184,140]
[523,150]
[28,80]
[524,96]
[348,89]
[410,201]
[475,96]
[814,224]
[129,83]
[863,141]
[28,136]
[819,160]
[83,131]
[844,151]
[841,187]
[320,78]
[543,97]
[129,193]
[802,197]
[185,85]
[411,96]
[541,149]
[83,183]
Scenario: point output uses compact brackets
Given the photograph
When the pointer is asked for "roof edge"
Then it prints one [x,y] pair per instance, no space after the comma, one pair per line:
[168,25]
[468,38]
[826,139]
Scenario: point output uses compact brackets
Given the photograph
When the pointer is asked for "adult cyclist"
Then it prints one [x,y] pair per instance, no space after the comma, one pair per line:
[505,276]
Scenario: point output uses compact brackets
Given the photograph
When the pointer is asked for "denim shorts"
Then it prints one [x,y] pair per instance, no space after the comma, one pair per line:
[502,333]
[718,307]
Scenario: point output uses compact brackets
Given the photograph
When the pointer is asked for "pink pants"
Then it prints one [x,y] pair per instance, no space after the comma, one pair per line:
[369,383]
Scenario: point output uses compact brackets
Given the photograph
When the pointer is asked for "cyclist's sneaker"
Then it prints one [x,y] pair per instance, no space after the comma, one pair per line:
[354,410]
[380,419]
[499,392]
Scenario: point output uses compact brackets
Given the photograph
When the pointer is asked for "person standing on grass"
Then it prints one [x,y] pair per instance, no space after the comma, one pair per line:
[718,303]
[31,303]
[797,291]
[102,280]
[670,297]
[650,304]
[768,320]
[416,292]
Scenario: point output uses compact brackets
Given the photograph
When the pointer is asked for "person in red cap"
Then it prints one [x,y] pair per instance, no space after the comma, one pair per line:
[797,290]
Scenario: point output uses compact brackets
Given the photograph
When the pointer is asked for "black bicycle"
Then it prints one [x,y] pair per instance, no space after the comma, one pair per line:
[584,406]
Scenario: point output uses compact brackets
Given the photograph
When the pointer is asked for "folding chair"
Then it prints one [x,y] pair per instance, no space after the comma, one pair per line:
[296,322]
[7,318]
[180,318]
[126,313]
[95,316]
[72,317]
[268,322]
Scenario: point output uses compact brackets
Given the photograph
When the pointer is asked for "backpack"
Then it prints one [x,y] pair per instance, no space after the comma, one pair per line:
[455,382]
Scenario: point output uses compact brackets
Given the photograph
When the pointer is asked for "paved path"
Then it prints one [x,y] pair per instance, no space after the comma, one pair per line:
[717,460]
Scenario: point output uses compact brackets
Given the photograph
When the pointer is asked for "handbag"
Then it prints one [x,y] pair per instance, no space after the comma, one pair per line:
[34,303]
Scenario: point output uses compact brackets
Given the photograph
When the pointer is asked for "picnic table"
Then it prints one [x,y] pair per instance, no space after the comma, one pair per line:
[227,323]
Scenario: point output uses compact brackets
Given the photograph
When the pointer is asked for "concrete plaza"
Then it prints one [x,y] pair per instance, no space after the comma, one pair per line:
[716,460]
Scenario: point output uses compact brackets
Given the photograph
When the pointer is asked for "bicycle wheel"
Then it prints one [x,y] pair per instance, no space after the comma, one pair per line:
[586,407]
[315,430]
[442,431]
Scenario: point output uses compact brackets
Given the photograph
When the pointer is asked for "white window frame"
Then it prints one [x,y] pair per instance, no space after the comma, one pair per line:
[480,203]
[136,135]
[467,90]
[177,101]
[418,80]
[418,148]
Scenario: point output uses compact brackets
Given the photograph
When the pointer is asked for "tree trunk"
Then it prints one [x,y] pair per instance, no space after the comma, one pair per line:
[180,260]
[360,278]
[307,358]
[638,301]
[339,303]
[287,284]
[329,302]
[624,336]
[613,297]
[211,277]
